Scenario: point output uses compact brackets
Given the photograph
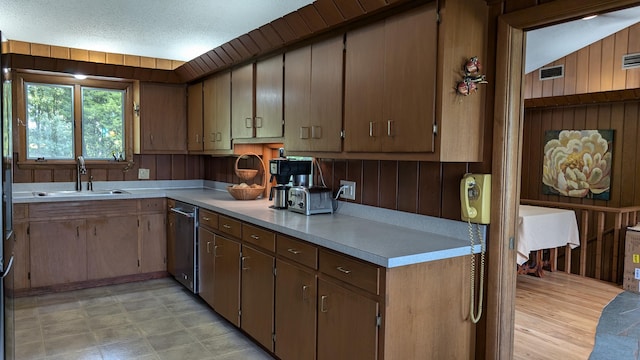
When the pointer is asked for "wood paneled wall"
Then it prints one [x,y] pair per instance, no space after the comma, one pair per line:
[59,52]
[622,117]
[595,68]
[161,167]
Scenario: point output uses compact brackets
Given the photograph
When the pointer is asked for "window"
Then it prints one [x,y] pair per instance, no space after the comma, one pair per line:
[63,118]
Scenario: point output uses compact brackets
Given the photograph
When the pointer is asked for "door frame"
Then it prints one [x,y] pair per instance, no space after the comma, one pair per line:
[507,153]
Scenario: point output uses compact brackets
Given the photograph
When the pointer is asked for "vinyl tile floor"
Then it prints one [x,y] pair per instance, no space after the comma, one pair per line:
[150,320]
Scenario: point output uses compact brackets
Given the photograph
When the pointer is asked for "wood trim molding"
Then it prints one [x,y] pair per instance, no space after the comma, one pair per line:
[507,152]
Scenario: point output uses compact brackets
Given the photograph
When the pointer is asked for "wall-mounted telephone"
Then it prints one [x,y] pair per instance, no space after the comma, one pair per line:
[475,200]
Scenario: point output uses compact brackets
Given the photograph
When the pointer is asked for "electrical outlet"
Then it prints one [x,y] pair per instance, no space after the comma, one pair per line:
[349,192]
[143,174]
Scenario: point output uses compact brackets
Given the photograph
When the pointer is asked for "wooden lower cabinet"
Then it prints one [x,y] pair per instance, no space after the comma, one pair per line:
[295,312]
[58,252]
[112,247]
[347,324]
[152,247]
[206,265]
[257,295]
[226,283]
[21,254]
[171,238]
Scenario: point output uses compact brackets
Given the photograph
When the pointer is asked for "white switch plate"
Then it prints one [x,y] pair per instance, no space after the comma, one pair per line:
[350,190]
[143,174]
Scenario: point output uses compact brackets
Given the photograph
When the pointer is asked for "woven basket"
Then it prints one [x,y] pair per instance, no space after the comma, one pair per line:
[253,191]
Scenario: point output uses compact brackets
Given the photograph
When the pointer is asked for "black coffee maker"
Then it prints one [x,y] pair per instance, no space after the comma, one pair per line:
[282,169]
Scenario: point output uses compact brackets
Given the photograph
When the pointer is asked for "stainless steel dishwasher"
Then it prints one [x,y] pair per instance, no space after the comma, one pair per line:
[183,252]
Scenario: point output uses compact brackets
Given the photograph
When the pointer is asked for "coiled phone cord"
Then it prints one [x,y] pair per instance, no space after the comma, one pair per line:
[475,317]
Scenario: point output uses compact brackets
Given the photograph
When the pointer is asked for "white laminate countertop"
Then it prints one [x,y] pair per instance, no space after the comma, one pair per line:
[383,237]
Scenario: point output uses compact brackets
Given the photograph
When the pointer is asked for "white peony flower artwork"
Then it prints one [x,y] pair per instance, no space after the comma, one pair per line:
[577,163]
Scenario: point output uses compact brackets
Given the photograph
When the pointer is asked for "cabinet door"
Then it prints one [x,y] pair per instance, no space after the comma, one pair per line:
[58,252]
[410,81]
[112,247]
[326,95]
[242,102]
[295,312]
[153,243]
[226,284]
[217,112]
[364,89]
[171,243]
[347,324]
[297,92]
[257,295]
[269,90]
[21,256]
[163,126]
[206,264]
[194,118]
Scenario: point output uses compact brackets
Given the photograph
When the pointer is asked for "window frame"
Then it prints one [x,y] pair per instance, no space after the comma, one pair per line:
[20,114]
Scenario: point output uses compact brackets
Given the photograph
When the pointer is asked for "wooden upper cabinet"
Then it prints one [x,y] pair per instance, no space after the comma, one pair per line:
[313,97]
[163,125]
[194,118]
[256,99]
[217,112]
[390,79]
[269,92]
[242,102]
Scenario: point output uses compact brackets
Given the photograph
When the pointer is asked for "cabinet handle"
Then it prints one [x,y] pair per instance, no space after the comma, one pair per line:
[323,304]
[294,251]
[343,270]
[213,137]
[226,226]
[305,296]
[148,225]
[248,123]
[390,128]
[205,218]
[151,138]
[208,243]
[258,122]
[218,136]
[95,231]
[242,260]
[316,132]
[255,237]
[304,132]
[371,124]
[78,231]
[197,138]
[215,251]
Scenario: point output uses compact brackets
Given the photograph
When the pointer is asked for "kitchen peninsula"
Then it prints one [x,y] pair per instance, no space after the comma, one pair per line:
[404,292]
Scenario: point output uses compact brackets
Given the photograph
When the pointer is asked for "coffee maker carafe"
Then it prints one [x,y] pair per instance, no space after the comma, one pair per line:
[282,170]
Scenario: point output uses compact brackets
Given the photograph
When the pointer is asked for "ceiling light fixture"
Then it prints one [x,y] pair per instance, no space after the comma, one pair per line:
[590,17]
[80,76]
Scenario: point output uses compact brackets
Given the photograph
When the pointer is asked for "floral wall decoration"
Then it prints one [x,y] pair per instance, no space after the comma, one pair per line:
[577,163]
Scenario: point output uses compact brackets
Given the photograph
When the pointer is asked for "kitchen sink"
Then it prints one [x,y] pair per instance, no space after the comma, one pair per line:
[78,193]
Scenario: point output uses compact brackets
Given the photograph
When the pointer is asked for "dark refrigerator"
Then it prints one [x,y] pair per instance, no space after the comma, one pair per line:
[7,352]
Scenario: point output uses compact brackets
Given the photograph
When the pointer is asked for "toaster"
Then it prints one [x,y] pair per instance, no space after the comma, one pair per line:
[309,201]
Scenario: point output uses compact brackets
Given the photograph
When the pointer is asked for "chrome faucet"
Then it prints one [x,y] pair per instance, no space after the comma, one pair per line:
[80,170]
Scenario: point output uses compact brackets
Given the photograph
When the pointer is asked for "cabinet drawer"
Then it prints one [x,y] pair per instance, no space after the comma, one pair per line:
[230,226]
[208,219]
[357,273]
[298,251]
[155,205]
[260,237]
[20,211]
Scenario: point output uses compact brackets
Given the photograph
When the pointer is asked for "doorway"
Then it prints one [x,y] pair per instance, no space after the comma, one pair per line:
[507,152]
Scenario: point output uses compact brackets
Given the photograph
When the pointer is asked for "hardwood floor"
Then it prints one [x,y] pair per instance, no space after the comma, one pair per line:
[556,315]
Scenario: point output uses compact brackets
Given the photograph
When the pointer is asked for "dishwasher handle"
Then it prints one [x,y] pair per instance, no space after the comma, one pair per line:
[189,215]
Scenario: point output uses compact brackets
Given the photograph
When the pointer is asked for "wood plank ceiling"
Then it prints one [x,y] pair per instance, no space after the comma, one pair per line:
[310,21]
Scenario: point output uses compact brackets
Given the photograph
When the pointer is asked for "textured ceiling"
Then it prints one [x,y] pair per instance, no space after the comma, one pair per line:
[168,29]
[551,43]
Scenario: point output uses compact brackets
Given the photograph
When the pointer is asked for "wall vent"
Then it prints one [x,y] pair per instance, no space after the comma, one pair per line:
[552,72]
[630,61]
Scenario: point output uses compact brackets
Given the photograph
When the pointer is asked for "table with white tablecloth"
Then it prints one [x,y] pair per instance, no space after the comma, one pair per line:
[545,228]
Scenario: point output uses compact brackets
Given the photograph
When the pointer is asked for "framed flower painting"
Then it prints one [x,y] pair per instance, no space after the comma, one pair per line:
[577,163]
